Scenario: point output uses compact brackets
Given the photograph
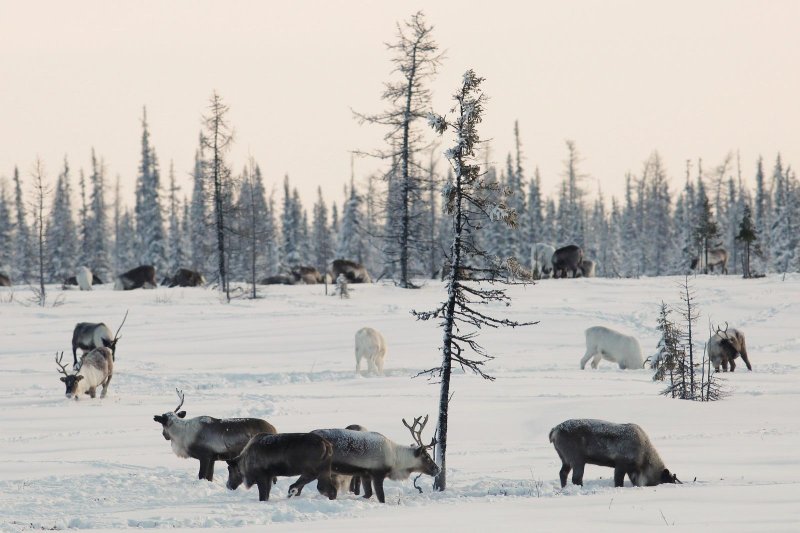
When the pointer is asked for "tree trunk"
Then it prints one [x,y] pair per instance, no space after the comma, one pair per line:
[405,155]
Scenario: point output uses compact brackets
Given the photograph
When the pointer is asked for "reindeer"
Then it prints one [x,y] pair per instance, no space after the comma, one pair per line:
[370,454]
[370,345]
[88,336]
[625,447]
[725,345]
[354,272]
[605,343]
[717,257]
[185,278]
[143,276]
[307,275]
[208,439]
[84,278]
[5,281]
[287,454]
[542,259]
[96,369]
[567,258]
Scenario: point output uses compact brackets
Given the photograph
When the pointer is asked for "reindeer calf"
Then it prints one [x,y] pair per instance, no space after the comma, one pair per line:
[287,454]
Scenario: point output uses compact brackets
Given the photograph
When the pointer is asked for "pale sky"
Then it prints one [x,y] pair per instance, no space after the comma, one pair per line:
[621,78]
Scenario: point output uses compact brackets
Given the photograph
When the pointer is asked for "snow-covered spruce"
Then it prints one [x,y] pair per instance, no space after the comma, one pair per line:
[625,447]
[209,439]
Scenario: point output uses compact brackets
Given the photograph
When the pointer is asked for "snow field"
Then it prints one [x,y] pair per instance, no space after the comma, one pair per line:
[288,358]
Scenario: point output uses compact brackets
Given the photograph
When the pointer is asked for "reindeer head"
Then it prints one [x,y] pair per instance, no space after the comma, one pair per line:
[426,464]
[167,419]
[235,476]
[667,477]
[70,380]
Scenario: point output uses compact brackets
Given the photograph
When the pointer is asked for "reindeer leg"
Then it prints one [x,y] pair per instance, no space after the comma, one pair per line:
[355,485]
[92,392]
[733,365]
[105,386]
[378,482]
[597,358]
[210,469]
[577,474]
[563,473]
[297,487]
[367,483]
[264,487]
[724,364]
[619,476]
[588,355]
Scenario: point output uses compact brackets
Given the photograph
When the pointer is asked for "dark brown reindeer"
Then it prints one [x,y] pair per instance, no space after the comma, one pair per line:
[370,454]
[185,278]
[725,345]
[624,447]
[567,259]
[143,276]
[208,439]
[90,335]
[96,368]
[354,272]
[286,454]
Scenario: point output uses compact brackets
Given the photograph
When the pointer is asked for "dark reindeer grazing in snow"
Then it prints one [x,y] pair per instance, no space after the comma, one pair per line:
[277,279]
[185,278]
[568,258]
[718,257]
[209,439]
[724,346]
[140,277]
[5,281]
[623,447]
[89,335]
[354,272]
[96,368]
[307,275]
[286,454]
[370,454]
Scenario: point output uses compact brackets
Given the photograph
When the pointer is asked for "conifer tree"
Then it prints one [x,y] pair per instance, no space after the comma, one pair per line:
[97,231]
[416,59]
[61,233]
[6,236]
[321,235]
[177,252]
[747,235]
[466,201]
[351,242]
[22,262]
[150,237]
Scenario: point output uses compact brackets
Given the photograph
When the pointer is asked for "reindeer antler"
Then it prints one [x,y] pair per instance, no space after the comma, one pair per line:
[722,332]
[181,396]
[116,335]
[416,431]
[63,368]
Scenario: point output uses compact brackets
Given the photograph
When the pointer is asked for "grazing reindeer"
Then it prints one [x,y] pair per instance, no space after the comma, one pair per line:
[605,343]
[208,439]
[5,281]
[88,336]
[286,454]
[724,346]
[353,483]
[367,453]
[370,345]
[96,369]
[625,447]
[140,277]
[354,272]
[542,259]
[307,275]
[185,278]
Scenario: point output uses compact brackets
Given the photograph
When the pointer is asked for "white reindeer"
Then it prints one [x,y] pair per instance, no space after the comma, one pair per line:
[370,345]
[605,343]
[84,277]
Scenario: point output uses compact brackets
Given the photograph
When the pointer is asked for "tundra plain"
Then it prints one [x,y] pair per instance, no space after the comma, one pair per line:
[288,357]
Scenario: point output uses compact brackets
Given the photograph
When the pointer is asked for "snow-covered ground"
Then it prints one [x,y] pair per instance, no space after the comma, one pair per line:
[288,358]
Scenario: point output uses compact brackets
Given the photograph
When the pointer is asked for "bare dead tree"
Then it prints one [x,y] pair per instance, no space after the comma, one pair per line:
[416,59]
[469,200]
[41,191]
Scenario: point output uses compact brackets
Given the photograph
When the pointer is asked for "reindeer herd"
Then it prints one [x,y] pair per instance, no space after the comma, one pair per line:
[346,459]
